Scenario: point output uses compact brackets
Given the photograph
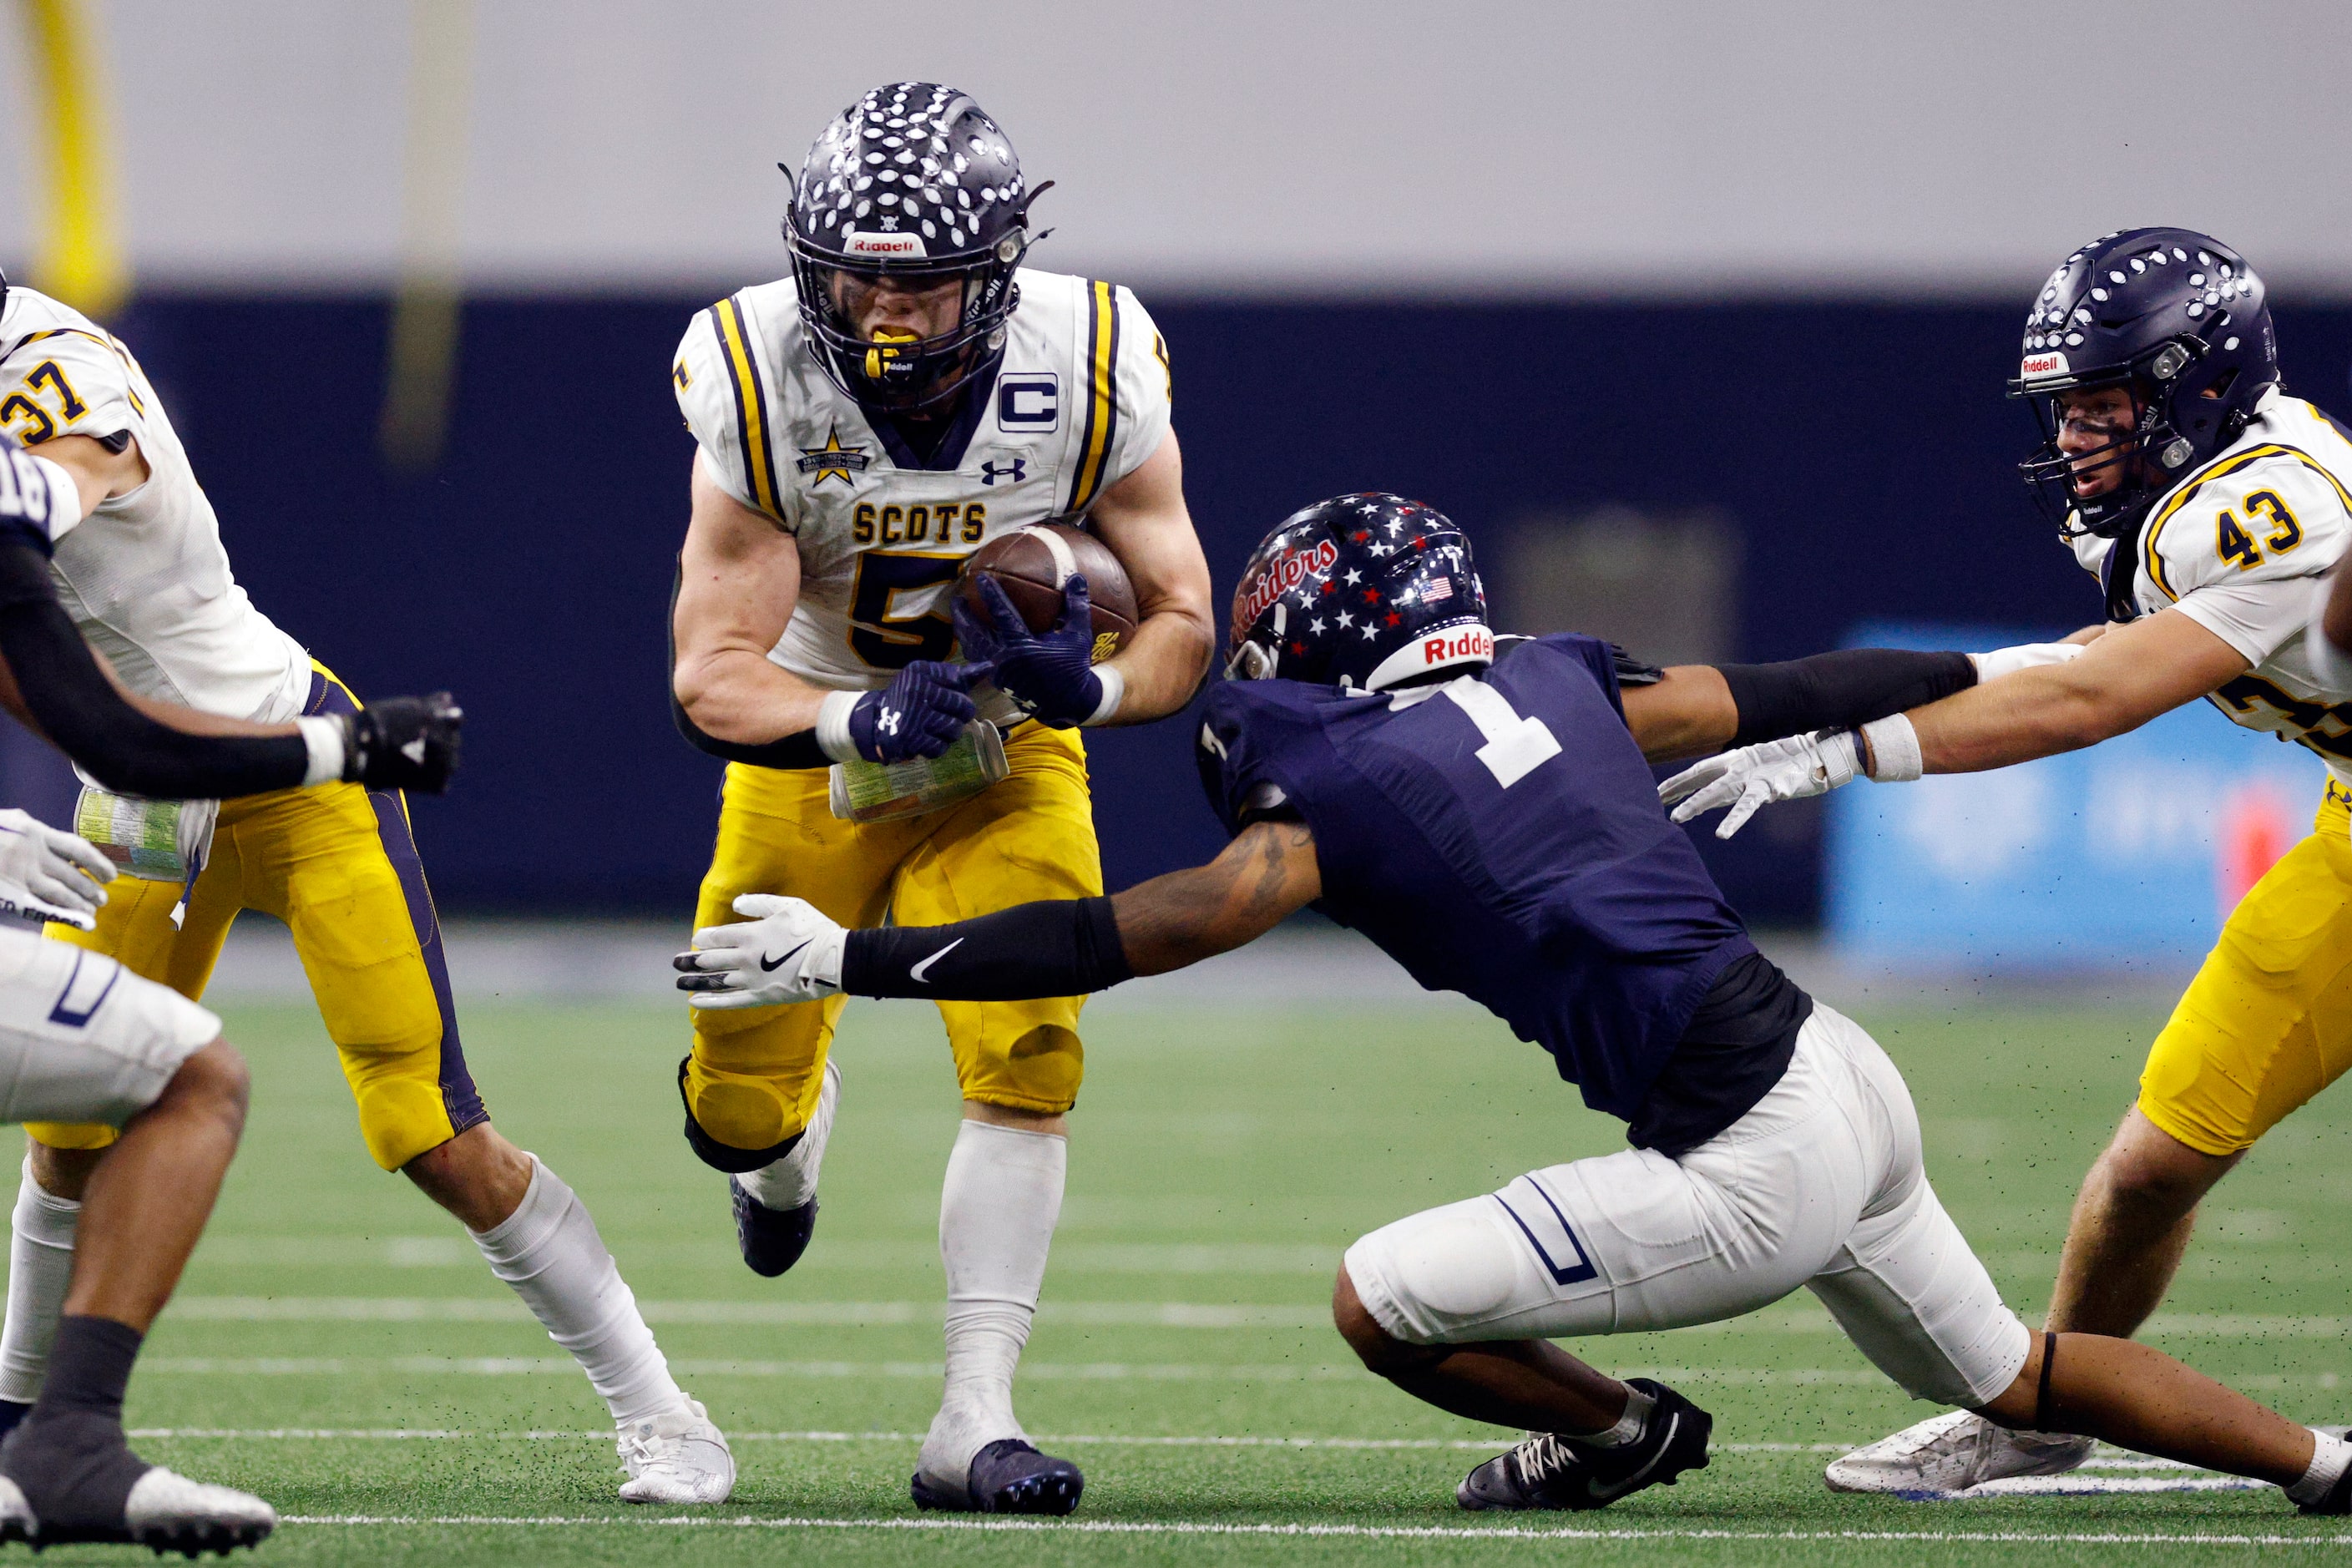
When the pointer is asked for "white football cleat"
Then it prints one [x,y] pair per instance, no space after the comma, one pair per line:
[169,1513]
[679,1456]
[17,1521]
[1944,1457]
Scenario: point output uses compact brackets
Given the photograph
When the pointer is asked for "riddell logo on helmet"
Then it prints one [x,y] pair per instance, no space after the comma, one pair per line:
[883,245]
[2041,364]
[1281,576]
[1475,643]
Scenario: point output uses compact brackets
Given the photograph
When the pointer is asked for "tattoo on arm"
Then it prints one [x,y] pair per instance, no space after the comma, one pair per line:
[1264,875]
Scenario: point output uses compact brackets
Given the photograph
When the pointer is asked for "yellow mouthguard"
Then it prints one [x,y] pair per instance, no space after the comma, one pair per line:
[873,357]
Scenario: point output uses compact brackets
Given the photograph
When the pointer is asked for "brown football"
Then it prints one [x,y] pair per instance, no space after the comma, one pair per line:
[1032,563]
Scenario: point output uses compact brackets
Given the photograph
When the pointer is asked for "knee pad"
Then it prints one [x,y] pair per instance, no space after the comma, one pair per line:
[1431,1273]
[720,1156]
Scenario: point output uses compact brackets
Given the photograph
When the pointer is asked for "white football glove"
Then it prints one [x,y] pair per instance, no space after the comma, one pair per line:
[48,874]
[785,952]
[1752,777]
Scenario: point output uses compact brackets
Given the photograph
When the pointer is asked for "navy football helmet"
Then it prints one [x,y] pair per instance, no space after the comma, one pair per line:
[1366,592]
[2176,318]
[913,182]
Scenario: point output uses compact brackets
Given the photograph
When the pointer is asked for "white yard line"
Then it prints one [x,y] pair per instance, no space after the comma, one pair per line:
[1100,1314]
[1349,1531]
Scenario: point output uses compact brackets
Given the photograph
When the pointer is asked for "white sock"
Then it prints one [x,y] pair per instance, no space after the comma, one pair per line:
[2330,1456]
[548,1249]
[997,1211]
[792,1180]
[40,1267]
[1629,1426]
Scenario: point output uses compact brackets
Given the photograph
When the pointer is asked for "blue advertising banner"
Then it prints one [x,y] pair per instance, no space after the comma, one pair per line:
[2131,851]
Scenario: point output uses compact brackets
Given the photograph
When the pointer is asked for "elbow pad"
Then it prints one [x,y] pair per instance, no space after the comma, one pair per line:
[80,709]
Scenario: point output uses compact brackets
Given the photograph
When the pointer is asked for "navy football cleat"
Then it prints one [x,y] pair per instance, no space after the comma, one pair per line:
[1009,1477]
[1547,1471]
[773,1240]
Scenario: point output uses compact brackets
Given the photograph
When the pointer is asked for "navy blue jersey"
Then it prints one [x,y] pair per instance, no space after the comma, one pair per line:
[28,512]
[1501,837]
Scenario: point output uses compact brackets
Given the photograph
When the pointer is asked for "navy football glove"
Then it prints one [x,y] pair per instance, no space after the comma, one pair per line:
[1049,675]
[919,714]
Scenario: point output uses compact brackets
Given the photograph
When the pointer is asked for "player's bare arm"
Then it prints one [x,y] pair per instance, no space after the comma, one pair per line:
[739,578]
[1264,877]
[1144,522]
[2128,675]
[99,471]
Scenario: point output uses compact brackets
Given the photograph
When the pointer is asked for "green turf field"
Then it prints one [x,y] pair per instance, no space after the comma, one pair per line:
[338,1347]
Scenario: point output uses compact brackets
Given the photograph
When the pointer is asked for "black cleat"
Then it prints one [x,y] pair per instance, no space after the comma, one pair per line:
[772,1239]
[72,1479]
[1547,1471]
[1009,1477]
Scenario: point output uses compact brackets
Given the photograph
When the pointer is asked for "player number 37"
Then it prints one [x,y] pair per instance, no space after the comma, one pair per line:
[2235,544]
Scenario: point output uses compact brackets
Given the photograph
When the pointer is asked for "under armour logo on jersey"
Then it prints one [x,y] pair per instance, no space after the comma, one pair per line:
[886,723]
[1012,472]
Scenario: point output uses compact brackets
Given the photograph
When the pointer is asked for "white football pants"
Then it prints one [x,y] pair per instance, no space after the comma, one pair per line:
[1819,1185]
[84,1039]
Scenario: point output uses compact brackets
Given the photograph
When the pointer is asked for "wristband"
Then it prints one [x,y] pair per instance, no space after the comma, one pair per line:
[1893,750]
[2025,656]
[1114,692]
[324,736]
[832,726]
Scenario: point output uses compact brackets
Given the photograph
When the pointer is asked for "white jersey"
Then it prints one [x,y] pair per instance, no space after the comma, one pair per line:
[1079,402]
[144,576]
[2240,546]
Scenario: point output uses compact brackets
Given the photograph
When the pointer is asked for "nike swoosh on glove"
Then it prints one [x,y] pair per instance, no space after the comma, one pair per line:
[1049,674]
[787,952]
[1753,777]
[919,714]
[49,873]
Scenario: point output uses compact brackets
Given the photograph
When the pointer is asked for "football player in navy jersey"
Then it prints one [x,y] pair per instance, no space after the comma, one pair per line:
[1489,819]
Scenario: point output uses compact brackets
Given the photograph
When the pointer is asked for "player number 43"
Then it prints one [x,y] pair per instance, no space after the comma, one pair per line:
[2235,544]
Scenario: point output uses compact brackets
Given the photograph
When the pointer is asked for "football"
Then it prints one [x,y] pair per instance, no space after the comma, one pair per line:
[1033,563]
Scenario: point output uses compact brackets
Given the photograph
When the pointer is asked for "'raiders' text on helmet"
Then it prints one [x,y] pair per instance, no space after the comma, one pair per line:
[1367,591]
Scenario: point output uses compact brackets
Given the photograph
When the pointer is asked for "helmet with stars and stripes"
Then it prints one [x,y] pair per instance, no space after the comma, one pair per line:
[2176,318]
[1365,591]
[911,188]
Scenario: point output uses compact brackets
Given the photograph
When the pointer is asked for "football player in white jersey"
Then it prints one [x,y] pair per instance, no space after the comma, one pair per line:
[2210,505]
[910,393]
[144,574]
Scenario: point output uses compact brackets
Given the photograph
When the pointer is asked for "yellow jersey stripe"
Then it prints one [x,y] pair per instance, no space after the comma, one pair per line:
[131,383]
[1102,404]
[750,405]
[2221,468]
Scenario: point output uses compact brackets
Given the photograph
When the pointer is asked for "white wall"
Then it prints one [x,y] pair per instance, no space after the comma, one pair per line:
[1801,146]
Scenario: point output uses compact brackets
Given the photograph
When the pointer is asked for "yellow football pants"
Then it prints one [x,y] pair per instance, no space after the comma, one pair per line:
[2267,1023]
[753,1078]
[339,865]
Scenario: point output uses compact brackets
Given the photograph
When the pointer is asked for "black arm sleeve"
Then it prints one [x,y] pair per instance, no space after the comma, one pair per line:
[1058,947]
[1838,690]
[78,708]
